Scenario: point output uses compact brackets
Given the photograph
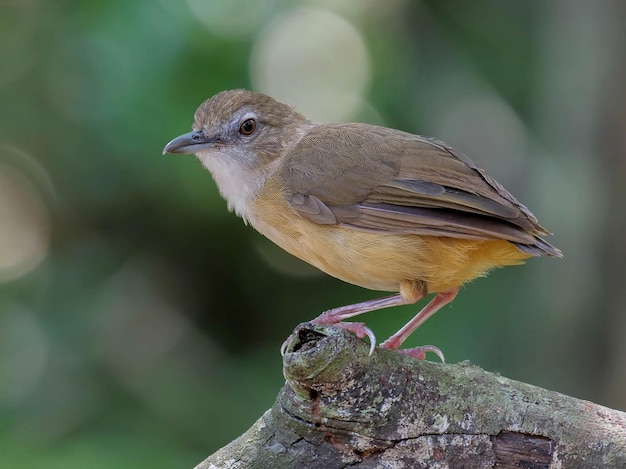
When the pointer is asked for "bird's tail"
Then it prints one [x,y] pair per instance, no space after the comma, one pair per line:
[539,248]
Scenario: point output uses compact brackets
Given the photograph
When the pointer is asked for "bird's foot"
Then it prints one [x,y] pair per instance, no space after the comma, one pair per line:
[416,352]
[357,328]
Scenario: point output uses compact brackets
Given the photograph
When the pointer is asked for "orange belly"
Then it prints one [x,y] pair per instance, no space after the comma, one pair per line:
[381,261]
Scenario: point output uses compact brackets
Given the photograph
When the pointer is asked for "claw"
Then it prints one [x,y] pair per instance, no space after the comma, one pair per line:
[420,352]
[372,338]
[283,348]
[436,350]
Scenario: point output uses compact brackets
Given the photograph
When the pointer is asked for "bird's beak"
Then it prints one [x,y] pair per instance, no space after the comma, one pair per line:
[189,143]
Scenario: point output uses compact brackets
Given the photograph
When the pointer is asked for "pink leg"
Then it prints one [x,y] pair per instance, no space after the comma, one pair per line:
[335,315]
[396,340]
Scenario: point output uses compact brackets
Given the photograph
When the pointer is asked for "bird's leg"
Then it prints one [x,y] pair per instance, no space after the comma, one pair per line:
[335,315]
[396,340]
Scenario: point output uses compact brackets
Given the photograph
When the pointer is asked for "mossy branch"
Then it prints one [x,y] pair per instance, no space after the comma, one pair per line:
[342,408]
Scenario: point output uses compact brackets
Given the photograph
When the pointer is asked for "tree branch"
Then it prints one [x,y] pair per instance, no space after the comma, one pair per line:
[342,408]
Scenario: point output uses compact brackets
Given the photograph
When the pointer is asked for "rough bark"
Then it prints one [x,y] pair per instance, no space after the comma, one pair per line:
[342,408]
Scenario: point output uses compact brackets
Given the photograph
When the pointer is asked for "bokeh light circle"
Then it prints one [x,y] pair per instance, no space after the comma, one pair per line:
[315,60]
[231,19]
[25,226]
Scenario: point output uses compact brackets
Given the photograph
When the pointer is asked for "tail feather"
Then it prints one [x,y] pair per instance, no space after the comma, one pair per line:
[539,248]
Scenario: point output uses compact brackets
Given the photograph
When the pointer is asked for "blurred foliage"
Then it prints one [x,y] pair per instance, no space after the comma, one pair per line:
[140,322]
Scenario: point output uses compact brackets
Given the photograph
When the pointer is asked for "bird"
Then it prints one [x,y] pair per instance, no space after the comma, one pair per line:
[376,207]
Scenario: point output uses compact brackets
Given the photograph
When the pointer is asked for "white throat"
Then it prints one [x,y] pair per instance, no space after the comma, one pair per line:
[237,182]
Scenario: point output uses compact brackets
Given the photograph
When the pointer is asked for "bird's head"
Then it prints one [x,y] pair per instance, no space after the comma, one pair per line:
[240,136]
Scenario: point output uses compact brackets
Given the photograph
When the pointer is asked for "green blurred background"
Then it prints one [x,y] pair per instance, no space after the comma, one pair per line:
[140,322]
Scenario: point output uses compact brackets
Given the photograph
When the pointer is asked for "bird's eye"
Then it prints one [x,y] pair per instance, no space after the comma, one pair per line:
[247,127]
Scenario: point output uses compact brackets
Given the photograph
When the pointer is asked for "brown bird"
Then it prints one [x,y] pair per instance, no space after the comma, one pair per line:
[376,207]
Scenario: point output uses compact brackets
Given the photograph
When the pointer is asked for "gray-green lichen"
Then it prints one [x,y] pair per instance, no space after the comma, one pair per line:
[341,407]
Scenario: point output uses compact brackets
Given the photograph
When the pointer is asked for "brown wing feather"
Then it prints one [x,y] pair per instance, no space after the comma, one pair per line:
[391,181]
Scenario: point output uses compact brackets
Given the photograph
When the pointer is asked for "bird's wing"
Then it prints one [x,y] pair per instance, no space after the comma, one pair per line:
[367,177]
